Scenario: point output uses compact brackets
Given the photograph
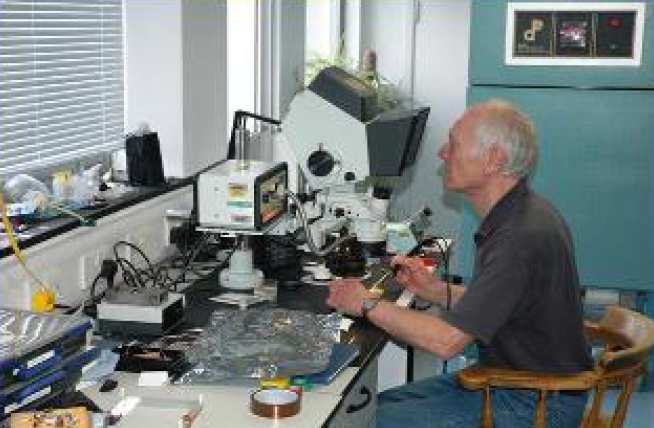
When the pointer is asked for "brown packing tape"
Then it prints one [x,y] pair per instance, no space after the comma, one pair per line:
[275,403]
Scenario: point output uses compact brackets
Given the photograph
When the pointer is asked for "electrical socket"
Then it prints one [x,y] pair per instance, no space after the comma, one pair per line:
[89,268]
[105,253]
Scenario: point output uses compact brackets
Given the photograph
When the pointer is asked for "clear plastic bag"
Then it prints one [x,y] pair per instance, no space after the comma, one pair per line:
[24,188]
[261,343]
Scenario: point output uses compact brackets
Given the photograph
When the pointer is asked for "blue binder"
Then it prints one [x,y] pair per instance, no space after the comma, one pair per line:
[341,357]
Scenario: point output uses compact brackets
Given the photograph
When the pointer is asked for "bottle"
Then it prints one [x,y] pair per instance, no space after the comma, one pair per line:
[368,69]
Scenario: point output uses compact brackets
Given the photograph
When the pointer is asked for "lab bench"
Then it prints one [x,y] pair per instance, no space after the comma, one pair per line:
[349,401]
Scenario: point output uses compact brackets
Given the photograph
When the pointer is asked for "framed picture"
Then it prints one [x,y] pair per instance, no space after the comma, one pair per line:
[574,33]
[533,34]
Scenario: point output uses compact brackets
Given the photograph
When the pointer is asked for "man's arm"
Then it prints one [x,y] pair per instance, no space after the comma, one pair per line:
[420,330]
[438,294]
[415,328]
[415,277]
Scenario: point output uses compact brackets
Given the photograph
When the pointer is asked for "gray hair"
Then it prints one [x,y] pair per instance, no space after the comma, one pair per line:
[504,125]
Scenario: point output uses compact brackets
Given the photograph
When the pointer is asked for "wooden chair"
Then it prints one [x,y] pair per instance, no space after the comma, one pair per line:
[628,338]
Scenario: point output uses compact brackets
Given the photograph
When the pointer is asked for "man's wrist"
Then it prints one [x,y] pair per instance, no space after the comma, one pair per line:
[368,304]
[435,292]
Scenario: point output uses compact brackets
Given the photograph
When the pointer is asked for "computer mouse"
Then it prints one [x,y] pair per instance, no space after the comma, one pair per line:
[108,385]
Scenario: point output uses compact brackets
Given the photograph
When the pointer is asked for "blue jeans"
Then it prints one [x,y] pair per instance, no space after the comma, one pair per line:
[439,402]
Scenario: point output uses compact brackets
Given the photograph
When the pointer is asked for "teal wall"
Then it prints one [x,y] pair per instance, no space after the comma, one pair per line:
[596,145]
[595,165]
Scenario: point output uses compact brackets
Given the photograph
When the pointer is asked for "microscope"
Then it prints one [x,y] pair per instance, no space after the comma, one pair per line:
[342,140]
[346,143]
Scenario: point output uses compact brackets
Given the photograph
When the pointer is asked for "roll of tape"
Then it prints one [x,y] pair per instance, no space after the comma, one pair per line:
[275,403]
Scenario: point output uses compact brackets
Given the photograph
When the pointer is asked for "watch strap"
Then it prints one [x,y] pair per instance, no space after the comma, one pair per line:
[368,305]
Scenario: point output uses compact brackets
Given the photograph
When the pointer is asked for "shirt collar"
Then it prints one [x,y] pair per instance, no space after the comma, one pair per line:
[501,210]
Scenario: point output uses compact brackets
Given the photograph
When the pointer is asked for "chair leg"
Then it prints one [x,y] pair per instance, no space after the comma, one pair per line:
[623,403]
[592,418]
[539,421]
[487,410]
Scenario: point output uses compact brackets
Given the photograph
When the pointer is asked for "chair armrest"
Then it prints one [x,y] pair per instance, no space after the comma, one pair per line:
[592,330]
[482,377]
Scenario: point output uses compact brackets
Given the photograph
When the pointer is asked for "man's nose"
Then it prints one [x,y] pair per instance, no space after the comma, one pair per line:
[442,152]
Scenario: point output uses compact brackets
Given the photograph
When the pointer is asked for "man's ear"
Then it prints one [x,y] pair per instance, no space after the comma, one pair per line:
[496,159]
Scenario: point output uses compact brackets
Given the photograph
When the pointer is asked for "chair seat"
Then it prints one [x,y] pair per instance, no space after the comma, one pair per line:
[628,337]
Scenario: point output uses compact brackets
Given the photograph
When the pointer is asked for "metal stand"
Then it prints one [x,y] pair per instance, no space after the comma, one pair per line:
[241,274]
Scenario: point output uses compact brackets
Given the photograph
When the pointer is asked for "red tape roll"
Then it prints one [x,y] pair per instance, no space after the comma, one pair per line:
[275,403]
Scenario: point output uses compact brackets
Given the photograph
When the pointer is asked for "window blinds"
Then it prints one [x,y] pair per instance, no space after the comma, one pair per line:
[61,81]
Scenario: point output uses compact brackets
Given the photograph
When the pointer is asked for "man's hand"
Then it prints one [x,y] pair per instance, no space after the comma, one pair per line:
[346,296]
[413,275]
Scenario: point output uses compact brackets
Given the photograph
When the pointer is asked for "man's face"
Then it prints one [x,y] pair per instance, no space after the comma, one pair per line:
[464,161]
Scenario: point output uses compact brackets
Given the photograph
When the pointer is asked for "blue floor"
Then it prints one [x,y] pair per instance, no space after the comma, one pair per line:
[641,409]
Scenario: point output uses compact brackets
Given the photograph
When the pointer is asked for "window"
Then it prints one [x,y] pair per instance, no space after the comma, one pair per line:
[242,50]
[249,50]
[61,81]
[322,29]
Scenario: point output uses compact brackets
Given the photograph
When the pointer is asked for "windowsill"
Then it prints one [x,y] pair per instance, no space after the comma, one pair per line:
[51,228]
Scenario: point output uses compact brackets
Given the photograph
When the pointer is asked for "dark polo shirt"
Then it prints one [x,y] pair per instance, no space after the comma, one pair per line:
[523,304]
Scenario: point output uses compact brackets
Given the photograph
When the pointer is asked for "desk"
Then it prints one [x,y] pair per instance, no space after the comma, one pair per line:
[224,406]
[350,401]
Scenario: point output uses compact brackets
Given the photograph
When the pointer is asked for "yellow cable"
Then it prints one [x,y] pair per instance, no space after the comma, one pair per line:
[43,300]
[9,230]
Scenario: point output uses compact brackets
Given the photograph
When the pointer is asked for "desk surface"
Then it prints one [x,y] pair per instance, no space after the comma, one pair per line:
[225,406]
[229,403]
[369,338]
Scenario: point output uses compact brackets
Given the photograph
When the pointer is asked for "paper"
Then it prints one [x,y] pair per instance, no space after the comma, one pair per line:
[158,378]
[239,299]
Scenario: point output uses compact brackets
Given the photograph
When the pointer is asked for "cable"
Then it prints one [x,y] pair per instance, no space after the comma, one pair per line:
[92,295]
[47,292]
[157,276]
[445,254]
[188,260]
[139,251]
[131,274]
[83,220]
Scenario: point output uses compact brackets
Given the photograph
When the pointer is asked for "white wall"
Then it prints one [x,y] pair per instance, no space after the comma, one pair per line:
[352,30]
[288,59]
[318,25]
[153,74]
[439,76]
[292,22]
[440,82]
[204,34]
[177,78]
[241,22]
[383,28]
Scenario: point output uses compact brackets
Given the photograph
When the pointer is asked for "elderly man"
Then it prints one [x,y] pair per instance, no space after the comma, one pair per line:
[522,306]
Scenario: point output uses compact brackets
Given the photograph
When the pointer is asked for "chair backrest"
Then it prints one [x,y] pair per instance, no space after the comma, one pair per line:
[628,338]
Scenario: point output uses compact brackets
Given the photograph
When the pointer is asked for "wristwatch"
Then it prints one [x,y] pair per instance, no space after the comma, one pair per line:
[368,305]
